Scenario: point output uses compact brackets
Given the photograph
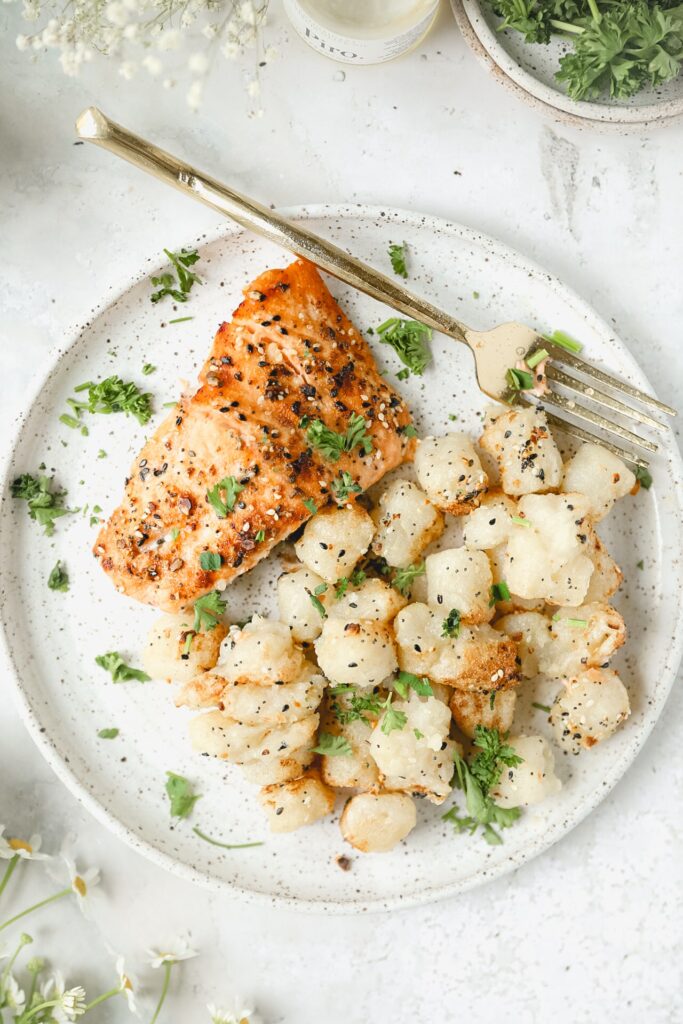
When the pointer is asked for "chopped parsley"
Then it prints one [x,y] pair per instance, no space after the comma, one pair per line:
[499,592]
[519,380]
[315,599]
[451,624]
[94,518]
[640,564]
[311,506]
[418,735]
[148,368]
[210,561]
[215,842]
[332,445]
[113,394]
[343,486]
[44,504]
[392,719]
[207,611]
[180,793]
[407,681]
[355,580]
[333,746]
[179,284]
[223,495]
[181,319]
[113,663]
[408,431]
[356,705]
[644,477]
[397,255]
[540,707]
[476,779]
[260,537]
[101,454]
[520,521]
[410,341]
[58,578]
[404,578]
[108,734]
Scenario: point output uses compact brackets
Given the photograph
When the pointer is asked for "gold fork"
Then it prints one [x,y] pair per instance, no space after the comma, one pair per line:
[494,351]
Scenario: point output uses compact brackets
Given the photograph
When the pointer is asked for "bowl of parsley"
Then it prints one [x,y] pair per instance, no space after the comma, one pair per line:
[591,62]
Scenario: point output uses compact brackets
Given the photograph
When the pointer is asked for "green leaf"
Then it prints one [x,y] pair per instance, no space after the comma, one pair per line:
[210,561]
[180,793]
[44,504]
[451,624]
[58,578]
[410,341]
[392,719]
[101,454]
[355,705]
[178,285]
[643,477]
[499,592]
[315,599]
[397,255]
[311,505]
[332,445]
[540,707]
[476,779]
[148,368]
[343,486]
[113,395]
[120,672]
[404,578]
[519,380]
[223,495]
[108,734]
[409,430]
[333,746]
[260,537]
[208,611]
[406,681]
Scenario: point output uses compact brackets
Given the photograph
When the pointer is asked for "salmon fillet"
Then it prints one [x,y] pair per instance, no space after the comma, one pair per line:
[288,354]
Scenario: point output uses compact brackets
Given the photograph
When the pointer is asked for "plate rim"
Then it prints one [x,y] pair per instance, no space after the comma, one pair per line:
[581,113]
[197,876]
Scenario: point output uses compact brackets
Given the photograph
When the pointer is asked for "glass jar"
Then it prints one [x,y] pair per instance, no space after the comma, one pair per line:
[362,31]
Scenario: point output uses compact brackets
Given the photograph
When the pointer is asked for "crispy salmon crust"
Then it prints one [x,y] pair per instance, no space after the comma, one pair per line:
[288,353]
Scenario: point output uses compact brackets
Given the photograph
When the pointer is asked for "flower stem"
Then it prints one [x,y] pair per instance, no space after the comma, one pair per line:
[168,966]
[9,871]
[100,999]
[26,1016]
[36,906]
[10,962]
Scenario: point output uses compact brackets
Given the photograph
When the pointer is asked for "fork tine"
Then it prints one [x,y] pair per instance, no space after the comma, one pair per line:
[574,430]
[563,356]
[582,413]
[582,388]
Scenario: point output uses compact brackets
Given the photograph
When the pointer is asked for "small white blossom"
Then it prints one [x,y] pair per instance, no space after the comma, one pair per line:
[12,847]
[194,94]
[23,42]
[127,70]
[152,64]
[254,87]
[183,951]
[238,1013]
[116,13]
[82,882]
[126,984]
[271,53]
[198,63]
[210,31]
[247,13]
[11,995]
[169,39]
[69,1003]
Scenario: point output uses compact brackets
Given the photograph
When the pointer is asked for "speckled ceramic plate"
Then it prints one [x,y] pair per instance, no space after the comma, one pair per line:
[528,69]
[51,639]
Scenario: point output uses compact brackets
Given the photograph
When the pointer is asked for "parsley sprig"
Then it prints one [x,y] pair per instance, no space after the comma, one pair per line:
[58,578]
[113,394]
[476,779]
[406,681]
[181,795]
[404,578]
[179,284]
[208,611]
[397,255]
[343,486]
[333,746]
[410,341]
[44,504]
[120,672]
[223,495]
[332,445]
[355,706]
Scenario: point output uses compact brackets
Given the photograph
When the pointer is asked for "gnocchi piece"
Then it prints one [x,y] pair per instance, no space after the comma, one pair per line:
[450,473]
[291,805]
[356,770]
[470,709]
[407,523]
[589,709]
[278,768]
[360,653]
[273,705]
[376,822]
[204,691]
[418,756]
[373,599]
[460,578]
[489,525]
[582,638]
[600,475]
[528,459]
[294,591]
[479,658]
[531,781]
[215,734]
[166,655]
[263,652]
[607,576]
[332,542]
[532,634]
[498,561]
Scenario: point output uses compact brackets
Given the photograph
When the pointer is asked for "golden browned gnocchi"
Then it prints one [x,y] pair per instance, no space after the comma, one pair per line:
[294,590]
[373,599]
[492,710]
[273,705]
[450,472]
[582,638]
[532,633]
[607,576]
[376,822]
[174,652]
[262,652]
[521,443]
[460,579]
[291,805]
[589,709]
[332,542]
[406,523]
[284,767]
[600,475]
[356,770]
[531,781]
[361,653]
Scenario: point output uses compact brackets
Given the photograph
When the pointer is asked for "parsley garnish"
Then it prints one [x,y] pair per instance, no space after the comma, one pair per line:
[392,719]
[407,681]
[113,663]
[404,578]
[333,746]
[108,734]
[110,395]
[311,505]
[451,624]
[148,368]
[223,495]
[58,578]
[541,707]
[101,454]
[519,380]
[499,592]
[409,340]
[260,537]
[315,599]
[408,431]
[166,283]
[332,445]
[343,486]
[207,611]
[640,564]
[357,704]
[224,846]
[181,319]
[210,561]
[418,735]
[179,792]
[397,255]
[44,504]
[476,779]
[644,477]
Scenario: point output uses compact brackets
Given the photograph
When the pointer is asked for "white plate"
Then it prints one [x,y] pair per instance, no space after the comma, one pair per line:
[52,638]
[529,70]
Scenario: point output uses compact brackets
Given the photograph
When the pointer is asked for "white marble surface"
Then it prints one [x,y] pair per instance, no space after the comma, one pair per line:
[593,927]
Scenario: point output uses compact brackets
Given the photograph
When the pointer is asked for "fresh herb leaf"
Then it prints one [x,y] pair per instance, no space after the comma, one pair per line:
[409,340]
[476,779]
[406,681]
[44,504]
[177,285]
[452,416]
[409,430]
[519,380]
[223,495]
[520,521]
[392,719]
[108,734]
[58,578]
[418,735]
[358,577]
[356,706]
[403,374]
[643,477]
[499,592]
[215,842]
[333,746]
[113,663]
[397,255]
[174,534]
[260,536]
[356,435]
[210,561]
[343,486]
[315,599]
[311,506]
[101,454]
[180,793]
[207,611]
[451,624]
[640,564]
[564,341]
[404,578]
[111,395]
[492,700]
[181,319]
[540,707]
[332,445]
[148,368]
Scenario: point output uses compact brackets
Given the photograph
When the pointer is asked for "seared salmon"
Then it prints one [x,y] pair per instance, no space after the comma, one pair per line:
[236,467]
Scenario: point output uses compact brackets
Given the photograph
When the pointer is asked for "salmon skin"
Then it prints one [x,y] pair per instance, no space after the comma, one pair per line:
[288,357]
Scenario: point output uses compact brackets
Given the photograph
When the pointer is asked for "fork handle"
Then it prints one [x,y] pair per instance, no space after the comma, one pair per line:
[93,126]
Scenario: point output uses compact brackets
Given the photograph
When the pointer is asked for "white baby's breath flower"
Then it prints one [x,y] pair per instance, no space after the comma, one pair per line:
[115,12]
[82,882]
[25,849]
[23,43]
[270,53]
[131,31]
[210,31]
[230,49]
[247,12]
[126,985]
[254,87]
[127,70]
[169,39]
[168,83]
[194,94]
[12,996]
[198,63]
[182,951]
[152,64]
[238,1013]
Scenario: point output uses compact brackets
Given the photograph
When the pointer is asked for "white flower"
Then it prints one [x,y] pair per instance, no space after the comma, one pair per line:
[131,31]
[230,49]
[247,13]
[239,1013]
[194,94]
[69,1003]
[170,39]
[198,63]
[12,847]
[152,64]
[210,31]
[127,70]
[116,13]
[183,951]
[126,984]
[82,882]
[23,43]
[271,53]
[12,996]
[254,87]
